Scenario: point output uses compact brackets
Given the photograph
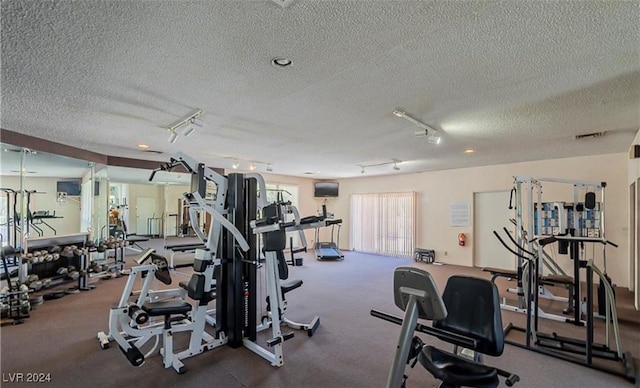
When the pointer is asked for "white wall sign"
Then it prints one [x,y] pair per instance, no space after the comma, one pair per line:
[459,214]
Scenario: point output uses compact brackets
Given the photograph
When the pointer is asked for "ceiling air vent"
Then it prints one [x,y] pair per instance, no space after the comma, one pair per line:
[154,152]
[589,135]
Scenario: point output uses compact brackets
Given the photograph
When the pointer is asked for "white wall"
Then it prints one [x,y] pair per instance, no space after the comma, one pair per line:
[436,190]
[633,175]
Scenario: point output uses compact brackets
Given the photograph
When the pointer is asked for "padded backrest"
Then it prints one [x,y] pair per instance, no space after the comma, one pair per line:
[416,282]
[195,289]
[283,269]
[474,311]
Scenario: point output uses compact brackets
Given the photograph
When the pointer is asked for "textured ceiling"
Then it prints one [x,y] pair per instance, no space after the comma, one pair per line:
[514,81]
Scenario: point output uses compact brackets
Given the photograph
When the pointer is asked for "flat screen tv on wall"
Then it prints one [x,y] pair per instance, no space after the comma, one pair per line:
[72,188]
[325,189]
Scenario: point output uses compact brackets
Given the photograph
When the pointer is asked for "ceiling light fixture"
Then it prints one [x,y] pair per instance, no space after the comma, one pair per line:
[235,165]
[469,151]
[393,162]
[281,63]
[143,146]
[188,130]
[173,137]
[252,166]
[185,126]
[423,129]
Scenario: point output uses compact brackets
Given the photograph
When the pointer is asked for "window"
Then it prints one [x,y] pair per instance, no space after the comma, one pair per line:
[288,193]
[384,223]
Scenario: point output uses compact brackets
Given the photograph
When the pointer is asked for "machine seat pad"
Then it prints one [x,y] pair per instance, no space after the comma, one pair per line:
[457,371]
[169,307]
[501,271]
[290,284]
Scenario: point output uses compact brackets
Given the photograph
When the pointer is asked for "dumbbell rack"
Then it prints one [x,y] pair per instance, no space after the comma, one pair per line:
[17,306]
[72,252]
[105,247]
[13,299]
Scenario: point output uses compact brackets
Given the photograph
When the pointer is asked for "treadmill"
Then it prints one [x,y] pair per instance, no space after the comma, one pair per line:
[328,250]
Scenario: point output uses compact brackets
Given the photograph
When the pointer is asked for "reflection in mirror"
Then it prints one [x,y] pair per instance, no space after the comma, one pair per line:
[52,188]
[10,194]
[149,209]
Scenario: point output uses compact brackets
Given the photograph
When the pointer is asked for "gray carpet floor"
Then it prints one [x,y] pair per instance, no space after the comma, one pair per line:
[350,348]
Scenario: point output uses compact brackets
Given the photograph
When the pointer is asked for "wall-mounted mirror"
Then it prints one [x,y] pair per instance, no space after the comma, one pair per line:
[143,208]
[56,198]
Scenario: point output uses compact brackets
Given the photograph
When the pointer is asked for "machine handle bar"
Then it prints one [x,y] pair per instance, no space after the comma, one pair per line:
[509,248]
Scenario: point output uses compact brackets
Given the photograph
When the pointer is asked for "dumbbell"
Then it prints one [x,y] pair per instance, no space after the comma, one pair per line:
[46,283]
[54,249]
[32,278]
[62,271]
[25,307]
[56,256]
[37,285]
[74,275]
[48,257]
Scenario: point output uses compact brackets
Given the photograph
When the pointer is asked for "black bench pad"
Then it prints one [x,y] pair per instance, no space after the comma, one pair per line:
[170,307]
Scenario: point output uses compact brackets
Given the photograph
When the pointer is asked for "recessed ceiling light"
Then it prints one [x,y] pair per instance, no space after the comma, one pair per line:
[469,151]
[281,63]
[143,146]
[308,173]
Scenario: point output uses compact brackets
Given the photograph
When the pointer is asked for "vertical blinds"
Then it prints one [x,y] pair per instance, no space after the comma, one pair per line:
[384,223]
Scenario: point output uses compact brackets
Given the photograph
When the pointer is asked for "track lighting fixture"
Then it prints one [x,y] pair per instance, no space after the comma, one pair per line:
[423,129]
[393,162]
[251,165]
[185,126]
[188,130]
[173,137]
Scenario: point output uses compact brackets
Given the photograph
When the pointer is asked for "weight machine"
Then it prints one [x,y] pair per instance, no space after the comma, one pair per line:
[572,225]
[225,270]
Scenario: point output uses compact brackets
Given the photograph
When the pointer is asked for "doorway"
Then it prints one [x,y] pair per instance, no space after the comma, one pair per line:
[145,214]
[491,212]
